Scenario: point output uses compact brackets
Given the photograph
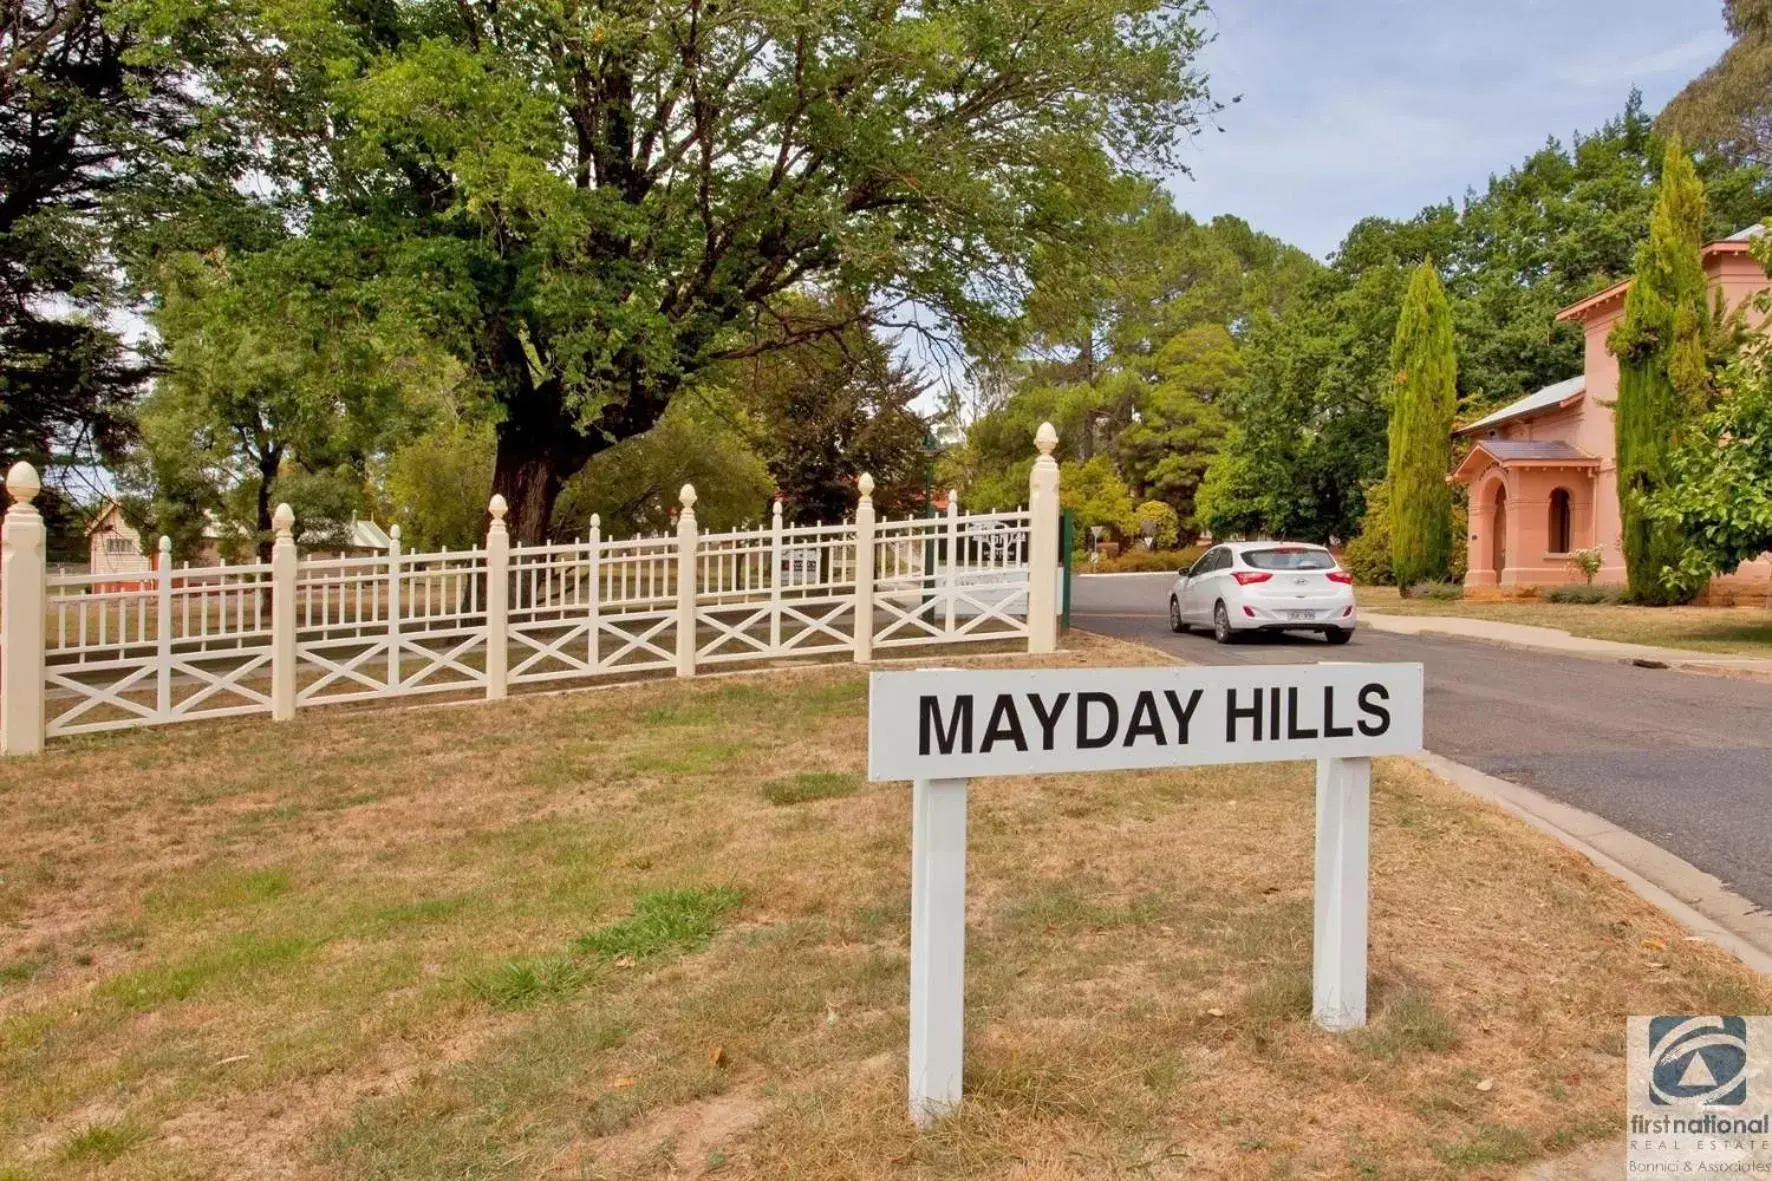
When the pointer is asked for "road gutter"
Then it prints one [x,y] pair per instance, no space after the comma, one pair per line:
[1696,900]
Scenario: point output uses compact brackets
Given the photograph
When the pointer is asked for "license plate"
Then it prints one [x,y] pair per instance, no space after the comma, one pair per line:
[1301,615]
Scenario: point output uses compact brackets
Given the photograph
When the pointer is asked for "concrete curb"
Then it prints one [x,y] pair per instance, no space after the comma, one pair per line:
[1694,899]
[1533,638]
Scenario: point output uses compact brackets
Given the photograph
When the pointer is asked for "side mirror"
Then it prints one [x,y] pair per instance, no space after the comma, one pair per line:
[1182,573]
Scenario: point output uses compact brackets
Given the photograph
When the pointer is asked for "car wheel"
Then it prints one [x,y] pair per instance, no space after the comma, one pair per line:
[1221,624]
[1176,623]
[1339,635]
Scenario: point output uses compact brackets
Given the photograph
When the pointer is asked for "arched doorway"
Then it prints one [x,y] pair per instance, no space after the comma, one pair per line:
[1559,521]
[1498,532]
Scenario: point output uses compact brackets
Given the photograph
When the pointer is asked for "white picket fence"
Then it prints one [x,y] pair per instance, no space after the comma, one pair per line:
[92,652]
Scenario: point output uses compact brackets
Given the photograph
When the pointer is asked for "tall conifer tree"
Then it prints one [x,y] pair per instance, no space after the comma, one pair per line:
[1663,378]
[1423,400]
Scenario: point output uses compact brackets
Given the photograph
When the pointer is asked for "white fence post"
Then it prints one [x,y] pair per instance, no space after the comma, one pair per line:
[1344,812]
[950,581]
[24,593]
[864,570]
[394,609]
[283,560]
[775,577]
[938,946]
[596,590]
[498,599]
[163,628]
[686,584]
[1043,544]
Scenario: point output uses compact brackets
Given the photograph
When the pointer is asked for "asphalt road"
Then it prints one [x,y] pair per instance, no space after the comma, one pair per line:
[1680,759]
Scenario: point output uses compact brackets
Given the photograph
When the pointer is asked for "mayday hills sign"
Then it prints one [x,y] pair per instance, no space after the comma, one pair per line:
[949,723]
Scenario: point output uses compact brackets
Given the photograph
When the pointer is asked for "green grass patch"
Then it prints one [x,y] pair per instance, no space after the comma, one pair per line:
[664,921]
[522,984]
[1490,1144]
[221,887]
[104,1141]
[151,987]
[19,971]
[811,785]
[1406,1023]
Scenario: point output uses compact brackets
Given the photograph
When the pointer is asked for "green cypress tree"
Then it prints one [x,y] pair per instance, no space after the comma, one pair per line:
[1422,402]
[1663,376]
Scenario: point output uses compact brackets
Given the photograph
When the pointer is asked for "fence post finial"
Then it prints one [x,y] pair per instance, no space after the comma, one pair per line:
[283,655]
[24,589]
[1043,567]
[686,547]
[498,508]
[22,483]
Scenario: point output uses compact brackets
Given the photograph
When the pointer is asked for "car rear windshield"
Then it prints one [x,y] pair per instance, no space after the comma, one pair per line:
[1289,557]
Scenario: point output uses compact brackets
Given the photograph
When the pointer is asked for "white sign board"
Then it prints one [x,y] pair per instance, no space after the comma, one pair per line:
[960,724]
[799,566]
[940,727]
[990,571]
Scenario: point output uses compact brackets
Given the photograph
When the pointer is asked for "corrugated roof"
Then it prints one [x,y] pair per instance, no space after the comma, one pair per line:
[1545,399]
[368,535]
[1747,235]
[1508,450]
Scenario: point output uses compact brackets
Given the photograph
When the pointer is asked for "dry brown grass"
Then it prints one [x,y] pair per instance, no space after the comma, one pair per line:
[1745,631]
[351,946]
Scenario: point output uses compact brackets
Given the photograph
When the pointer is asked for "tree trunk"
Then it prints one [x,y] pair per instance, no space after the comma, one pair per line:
[529,473]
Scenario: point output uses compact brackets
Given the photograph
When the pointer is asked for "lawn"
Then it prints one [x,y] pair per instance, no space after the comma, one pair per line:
[1745,631]
[660,931]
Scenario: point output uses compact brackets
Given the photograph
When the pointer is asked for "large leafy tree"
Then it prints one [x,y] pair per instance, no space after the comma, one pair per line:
[1181,424]
[1729,106]
[828,409]
[272,392]
[1423,400]
[594,203]
[1311,418]
[1720,497]
[1664,377]
[88,119]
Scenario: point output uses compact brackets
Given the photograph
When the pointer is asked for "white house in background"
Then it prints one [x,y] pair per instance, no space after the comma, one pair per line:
[116,545]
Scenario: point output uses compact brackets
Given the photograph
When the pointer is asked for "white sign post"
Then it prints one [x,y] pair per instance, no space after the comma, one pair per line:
[941,727]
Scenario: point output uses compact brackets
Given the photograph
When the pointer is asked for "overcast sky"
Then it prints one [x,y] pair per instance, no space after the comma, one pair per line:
[1357,107]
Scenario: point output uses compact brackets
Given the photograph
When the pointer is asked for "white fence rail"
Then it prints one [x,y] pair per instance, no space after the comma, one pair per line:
[92,652]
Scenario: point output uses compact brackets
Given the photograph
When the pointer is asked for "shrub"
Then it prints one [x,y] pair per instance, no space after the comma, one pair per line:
[1158,522]
[1440,592]
[1368,556]
[1140,561]
[1583,592]
[1586,562]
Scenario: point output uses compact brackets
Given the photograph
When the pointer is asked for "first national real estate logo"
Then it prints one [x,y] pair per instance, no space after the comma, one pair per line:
[1700,1095]
[1698,1061]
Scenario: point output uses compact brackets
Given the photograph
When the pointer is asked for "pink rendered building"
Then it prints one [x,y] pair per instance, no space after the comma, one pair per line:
[1543,472]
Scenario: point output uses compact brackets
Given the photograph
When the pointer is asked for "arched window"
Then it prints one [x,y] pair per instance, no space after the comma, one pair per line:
[1559,521]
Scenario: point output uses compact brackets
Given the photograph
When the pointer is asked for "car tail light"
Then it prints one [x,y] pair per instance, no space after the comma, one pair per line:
[1245,577]
[1340,576]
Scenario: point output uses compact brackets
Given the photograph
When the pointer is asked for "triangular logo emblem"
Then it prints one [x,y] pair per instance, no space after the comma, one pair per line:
[1697,1075]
